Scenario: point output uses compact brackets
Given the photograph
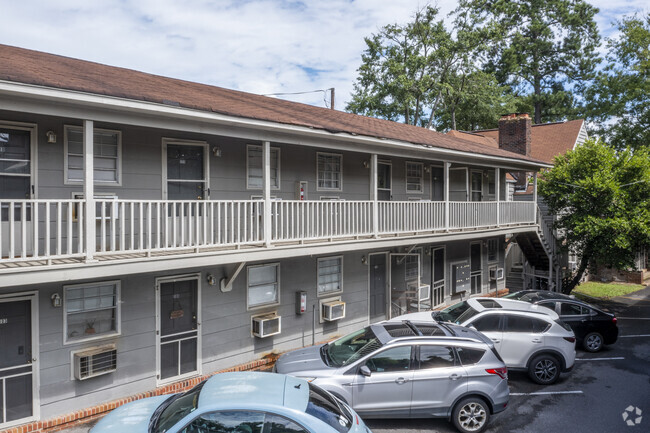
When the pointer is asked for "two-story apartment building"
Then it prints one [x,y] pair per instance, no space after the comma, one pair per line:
[155,230]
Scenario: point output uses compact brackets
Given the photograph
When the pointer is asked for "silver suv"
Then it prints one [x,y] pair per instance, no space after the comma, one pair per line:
[409,370]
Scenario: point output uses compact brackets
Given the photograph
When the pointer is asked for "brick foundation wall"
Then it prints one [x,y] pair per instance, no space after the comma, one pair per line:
[96,412]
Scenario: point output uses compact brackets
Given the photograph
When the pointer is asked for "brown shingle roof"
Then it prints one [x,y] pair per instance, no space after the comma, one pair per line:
[476,138]
[49,70]
[547,140]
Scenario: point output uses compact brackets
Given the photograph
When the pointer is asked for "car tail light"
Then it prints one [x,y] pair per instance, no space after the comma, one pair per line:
[357,418]
[614,320]
[502,372]
[570,339]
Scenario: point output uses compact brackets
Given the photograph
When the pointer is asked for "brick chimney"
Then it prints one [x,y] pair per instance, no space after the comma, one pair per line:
[514,133]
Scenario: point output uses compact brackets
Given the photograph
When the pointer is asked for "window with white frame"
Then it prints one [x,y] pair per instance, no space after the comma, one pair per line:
[107,151]
[329,171]
[254,167]
[492,250]
[330,275]
[91,310]
[411,266]
[414,177]
[263,285]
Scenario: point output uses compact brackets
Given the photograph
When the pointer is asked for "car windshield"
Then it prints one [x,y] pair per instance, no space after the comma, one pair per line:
[348,349]
[451,314]
[325,407]
[467,314]
[180,406]
[516,295]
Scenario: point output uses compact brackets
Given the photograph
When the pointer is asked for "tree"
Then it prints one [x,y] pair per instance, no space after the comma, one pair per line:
[406,70]
[602,199]
[619,99]
[548,47]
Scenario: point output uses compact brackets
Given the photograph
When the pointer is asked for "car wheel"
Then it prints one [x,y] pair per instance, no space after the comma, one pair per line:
[544,369]
[471,415]
[593,342]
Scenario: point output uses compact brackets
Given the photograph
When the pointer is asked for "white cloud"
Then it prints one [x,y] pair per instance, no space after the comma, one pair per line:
[259,46]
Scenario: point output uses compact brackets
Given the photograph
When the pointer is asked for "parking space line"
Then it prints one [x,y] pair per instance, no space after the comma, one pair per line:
[601,359]
[546,393]
[631,336]
[633,318]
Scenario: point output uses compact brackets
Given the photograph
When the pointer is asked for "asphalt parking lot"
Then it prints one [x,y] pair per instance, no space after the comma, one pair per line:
[592,398]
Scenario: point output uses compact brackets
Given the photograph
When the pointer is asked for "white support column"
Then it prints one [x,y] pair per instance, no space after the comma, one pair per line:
[266,182]
[90,225]
[373,194]
[447,165]
[535,196]
[497,181]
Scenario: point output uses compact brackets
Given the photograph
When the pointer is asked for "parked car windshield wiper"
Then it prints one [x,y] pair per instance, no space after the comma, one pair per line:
[154,418]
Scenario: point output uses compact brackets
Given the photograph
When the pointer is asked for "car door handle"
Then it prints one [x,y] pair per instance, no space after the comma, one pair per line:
[496,340]
[537,340]
[454,376]
[400,380]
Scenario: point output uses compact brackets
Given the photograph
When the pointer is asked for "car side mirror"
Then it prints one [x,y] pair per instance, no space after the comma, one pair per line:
[472,327]
[365,371]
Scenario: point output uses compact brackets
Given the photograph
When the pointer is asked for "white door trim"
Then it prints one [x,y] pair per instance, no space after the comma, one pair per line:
[36,400]
[199,356]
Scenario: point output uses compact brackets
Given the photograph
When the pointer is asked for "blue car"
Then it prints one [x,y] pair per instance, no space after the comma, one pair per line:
[246,402]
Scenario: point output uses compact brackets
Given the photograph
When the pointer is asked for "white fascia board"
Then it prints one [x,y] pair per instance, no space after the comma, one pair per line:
[57,102]
[112,268]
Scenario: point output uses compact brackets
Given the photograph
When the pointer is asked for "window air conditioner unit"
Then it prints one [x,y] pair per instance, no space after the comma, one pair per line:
[424,293]
[95,362]
[334,310]
[266,325]
[496,274]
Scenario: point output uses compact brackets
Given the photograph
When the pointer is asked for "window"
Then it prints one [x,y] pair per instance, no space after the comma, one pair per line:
[263,285]
[526,324]
[107,150]
[492,187]
[235,421]
[330,275]
[436,357]
[278,424]
[329,172]
[488,323]
[469,356]
[395,359]
[255,169]
[323,406]
[548,304]
[492,250]
[414,177]
[489,303]
[411,267]
[568,309]
[15,164]
[91,310]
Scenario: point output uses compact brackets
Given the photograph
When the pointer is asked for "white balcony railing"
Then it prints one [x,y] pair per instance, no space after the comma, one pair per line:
[54,229]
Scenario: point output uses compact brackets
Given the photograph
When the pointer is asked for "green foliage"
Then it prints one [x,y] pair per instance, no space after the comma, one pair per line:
[543,46]
[417,71]
[619,99]
[602,199]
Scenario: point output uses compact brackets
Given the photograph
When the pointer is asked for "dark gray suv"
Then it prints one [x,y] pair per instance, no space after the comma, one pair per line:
[409,370]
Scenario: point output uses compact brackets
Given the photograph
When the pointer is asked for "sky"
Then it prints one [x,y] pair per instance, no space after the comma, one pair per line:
[257,46]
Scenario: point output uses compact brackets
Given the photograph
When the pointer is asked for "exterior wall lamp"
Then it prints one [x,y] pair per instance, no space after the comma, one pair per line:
[51,136]
[216,151]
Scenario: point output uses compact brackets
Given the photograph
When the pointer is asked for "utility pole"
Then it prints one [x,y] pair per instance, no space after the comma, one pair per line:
[331,98]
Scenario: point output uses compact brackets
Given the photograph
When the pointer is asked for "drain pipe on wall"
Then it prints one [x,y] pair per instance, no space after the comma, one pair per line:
[313,324]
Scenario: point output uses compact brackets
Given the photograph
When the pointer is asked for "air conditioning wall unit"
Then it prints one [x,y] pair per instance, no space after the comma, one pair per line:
[266,325]
[496,274]
[424,292]
[94,362]
[331,309]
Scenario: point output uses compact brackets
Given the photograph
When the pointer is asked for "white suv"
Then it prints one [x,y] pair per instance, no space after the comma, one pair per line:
[529,339]
[536,342]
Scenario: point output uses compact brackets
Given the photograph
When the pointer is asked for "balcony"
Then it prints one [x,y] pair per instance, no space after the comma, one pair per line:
[46,232]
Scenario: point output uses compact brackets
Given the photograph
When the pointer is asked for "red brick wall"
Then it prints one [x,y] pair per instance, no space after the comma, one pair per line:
[514,133]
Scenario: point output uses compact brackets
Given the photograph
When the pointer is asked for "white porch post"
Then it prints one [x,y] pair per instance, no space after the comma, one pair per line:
[89,190]
[535,196]
[373,194]
[447,165]
[497,179]
[266,182]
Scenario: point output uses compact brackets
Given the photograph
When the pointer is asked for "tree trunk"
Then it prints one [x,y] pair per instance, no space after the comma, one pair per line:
[453,118]
[434,108]
[538,103]
[575,280]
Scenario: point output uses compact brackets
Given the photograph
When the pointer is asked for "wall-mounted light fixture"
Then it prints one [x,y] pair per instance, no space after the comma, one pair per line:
[364,260]
[51,136]
[216,151]
[56,300]
[211,279]
[427,169]
[365,164]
